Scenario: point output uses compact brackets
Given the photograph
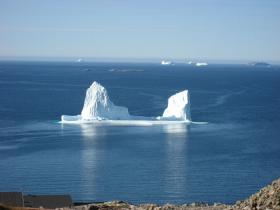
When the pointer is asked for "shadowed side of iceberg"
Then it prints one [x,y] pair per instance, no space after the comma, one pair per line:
[98,108]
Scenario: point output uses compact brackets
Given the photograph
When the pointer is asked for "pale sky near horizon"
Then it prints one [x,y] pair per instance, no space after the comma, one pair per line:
[208,29]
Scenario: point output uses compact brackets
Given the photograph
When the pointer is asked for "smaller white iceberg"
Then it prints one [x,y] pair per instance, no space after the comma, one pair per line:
[98,108]
[79,60]
[178,107]
[201,64]
[190,62]
[166,62]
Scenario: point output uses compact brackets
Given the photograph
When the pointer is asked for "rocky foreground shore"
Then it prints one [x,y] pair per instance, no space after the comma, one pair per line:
[267,198]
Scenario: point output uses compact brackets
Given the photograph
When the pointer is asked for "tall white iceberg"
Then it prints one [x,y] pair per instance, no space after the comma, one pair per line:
[97,106]
[178,107]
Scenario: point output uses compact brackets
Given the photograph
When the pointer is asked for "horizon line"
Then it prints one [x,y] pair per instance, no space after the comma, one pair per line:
[86,59]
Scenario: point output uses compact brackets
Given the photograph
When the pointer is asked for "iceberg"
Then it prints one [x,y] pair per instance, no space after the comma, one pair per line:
[178,107]
[79,60]
[166,62]
[201,64]
[98,108]
[190,62]
[97,105]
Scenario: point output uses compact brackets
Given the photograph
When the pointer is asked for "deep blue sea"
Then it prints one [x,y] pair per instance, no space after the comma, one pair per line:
[231,157]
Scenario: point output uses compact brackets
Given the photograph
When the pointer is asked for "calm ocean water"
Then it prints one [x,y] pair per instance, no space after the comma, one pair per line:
[228,159]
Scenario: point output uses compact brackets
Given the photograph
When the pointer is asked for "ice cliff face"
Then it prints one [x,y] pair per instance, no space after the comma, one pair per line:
[178,107]
[97,105]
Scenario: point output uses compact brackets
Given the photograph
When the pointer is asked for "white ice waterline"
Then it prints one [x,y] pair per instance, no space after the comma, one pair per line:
[99,109]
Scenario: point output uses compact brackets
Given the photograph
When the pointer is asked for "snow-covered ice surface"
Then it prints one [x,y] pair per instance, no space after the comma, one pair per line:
[99,109]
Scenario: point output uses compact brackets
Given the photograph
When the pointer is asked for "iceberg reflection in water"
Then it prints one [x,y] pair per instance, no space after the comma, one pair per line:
[114,158]
[176,170]
[90,130]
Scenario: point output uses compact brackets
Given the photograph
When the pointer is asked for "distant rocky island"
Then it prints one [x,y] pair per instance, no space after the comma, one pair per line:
[260,64]
[267,198]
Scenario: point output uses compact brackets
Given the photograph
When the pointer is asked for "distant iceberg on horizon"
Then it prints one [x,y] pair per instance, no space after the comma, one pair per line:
[201,64]
[98,108]
[166,62]
[79,60]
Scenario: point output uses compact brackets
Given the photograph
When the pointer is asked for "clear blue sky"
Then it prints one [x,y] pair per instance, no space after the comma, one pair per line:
[203,29]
